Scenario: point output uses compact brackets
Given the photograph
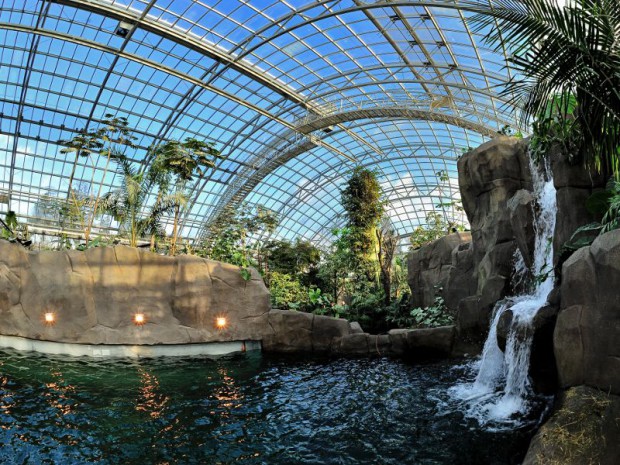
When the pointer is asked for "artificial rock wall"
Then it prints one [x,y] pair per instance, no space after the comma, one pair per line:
[475,272]
[587,331]
[94,295]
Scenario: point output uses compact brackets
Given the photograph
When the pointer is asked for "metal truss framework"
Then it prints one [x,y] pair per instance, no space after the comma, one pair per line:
[295,94]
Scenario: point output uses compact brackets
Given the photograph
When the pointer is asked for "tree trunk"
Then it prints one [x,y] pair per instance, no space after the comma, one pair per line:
[173,244]
[92,218]
[386,281]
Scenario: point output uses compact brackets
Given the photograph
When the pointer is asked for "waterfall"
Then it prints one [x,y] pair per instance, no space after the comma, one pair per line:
[501,390]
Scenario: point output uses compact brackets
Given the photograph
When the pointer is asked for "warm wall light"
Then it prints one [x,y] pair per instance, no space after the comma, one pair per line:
[220,322]
[49,318]
[139,319]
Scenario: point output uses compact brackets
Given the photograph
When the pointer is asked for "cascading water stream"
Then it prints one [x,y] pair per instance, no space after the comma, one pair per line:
[501,390]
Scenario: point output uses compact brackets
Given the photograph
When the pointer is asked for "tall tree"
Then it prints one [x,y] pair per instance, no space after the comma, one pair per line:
[108,139]
[128,203]
[184,160]
[388,241]
[361,198]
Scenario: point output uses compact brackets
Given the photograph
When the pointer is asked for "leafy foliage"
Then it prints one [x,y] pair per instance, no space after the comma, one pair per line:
[433,316]
[108,141]
[388,241]
[556,128]
[292,257]
[182,161]
[127,203]
[286,290]
[228,241]
[436,227]
[246,274]
[361,199]
[566,54]
[12,230]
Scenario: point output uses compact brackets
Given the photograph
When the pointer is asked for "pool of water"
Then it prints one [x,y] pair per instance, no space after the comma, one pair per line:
[247,409]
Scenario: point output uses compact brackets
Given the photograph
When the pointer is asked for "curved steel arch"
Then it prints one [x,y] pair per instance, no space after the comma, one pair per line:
[256,55]
[243,185]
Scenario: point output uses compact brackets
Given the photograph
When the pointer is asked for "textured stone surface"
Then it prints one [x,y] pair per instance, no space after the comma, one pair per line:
[587,332]
[354,344]
[441,268]
[584,429]
[542,368]
[521,206]
[489,177]
[422,344]
[94,295]
[291,332]
[495,183]
[431,342]
[573,186]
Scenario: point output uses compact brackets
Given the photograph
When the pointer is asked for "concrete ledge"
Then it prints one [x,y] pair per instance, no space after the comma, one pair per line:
[132,351]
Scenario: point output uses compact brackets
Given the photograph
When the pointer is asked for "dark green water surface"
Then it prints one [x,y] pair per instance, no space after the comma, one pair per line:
[246,409]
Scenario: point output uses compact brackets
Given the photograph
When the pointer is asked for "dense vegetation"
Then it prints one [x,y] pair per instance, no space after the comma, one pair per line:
[361,276]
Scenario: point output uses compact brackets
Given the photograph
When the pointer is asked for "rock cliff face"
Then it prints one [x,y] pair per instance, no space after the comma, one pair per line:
[573,186]
[496,184]
[95,294]
[587,332]
[305,332]
[489,177]
[443,268]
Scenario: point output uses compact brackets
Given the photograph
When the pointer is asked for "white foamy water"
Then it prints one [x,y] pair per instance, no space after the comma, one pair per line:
[501,391]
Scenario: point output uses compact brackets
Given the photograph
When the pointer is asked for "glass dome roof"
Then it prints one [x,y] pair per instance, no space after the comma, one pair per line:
[294,93]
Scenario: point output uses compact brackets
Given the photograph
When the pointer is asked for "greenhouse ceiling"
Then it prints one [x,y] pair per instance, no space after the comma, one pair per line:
[294,93]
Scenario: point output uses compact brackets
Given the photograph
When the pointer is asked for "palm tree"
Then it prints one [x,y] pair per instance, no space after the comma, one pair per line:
[127,203]
[113,134]
[184,160]
[565,55]
[83,144]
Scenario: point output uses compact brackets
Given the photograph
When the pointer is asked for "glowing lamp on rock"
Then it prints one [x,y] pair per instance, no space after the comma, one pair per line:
[49,318]
[139,319]
[220,322]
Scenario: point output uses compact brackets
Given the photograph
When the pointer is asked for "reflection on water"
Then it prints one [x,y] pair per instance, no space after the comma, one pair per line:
[242,409]
[150,400]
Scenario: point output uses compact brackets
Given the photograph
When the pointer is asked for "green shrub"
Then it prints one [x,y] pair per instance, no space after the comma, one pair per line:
[286,291]
[433,316]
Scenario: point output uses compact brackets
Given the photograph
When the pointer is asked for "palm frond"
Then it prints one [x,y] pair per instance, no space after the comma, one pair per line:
[571,51]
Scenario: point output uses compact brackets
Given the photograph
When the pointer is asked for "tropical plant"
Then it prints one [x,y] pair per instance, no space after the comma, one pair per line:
[299,258]
[12,230]
[400,286]
[105,141]
[430,317]
[83,144]
[563,53]
[184,160]
[361,199]
[388,241]
[398,314]
[128,203]
[285,289]
[337,265]
[229,238]
[435,228]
